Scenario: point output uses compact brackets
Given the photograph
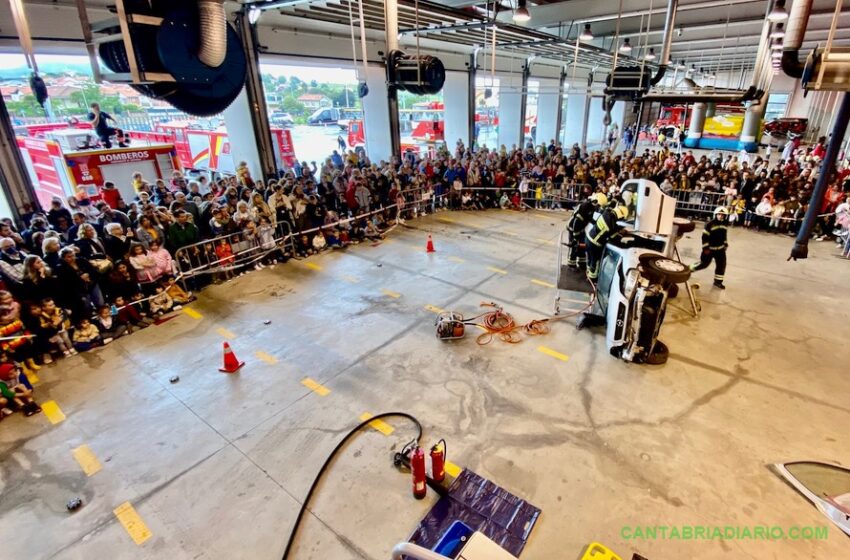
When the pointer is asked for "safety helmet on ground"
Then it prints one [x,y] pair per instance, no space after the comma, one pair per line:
[600,198]
[622,212]
[721,210]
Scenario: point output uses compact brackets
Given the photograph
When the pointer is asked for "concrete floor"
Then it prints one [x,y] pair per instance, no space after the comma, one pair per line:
[215,465]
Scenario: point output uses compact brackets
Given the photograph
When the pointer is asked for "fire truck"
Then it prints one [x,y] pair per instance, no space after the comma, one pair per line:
[58,167]
[209,150]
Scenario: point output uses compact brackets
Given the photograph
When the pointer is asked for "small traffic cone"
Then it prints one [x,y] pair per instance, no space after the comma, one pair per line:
[429,247]
[231,364]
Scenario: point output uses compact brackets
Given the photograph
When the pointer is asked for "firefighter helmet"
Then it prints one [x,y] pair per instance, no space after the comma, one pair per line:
[721,210]
[600,198]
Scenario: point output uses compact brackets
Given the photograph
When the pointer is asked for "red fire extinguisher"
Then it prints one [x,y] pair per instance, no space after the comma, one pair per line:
[438,461]
[417,466]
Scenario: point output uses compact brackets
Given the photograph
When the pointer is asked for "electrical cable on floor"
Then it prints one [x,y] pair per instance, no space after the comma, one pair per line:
[414,442]
[502,324]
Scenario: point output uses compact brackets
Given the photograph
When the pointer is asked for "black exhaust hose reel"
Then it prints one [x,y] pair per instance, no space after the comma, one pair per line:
[343,442]
[173,48]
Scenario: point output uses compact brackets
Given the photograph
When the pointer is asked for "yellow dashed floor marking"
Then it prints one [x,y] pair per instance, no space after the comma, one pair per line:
[546,241]
[87,459]
[457,259]
[132,523]
[496,270]
[379,425]
[390,293]
[350,279]
[317,388]
[53,412]
[312,266]
[34,379]
[447,220]
[433,308]
[542,283]
[511,233]
[553,353]
[268,358]
[225,333]
[192,313]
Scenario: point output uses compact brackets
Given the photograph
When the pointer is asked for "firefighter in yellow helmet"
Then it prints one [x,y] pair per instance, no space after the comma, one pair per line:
[714,245]
[582,215]
[599,233]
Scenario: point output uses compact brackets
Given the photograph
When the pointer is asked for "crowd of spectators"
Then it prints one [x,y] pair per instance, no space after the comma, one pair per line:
[85,272]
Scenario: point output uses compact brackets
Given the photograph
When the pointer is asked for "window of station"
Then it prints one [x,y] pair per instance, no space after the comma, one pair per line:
[486,111]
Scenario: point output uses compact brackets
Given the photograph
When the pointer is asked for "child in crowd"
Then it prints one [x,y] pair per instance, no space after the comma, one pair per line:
[87,336]
[161,303]
[109,325]
[225,258]
[371,231]
[303,247]
[180,296]
[14,392]
[53,323]
[129,315]
[319,243]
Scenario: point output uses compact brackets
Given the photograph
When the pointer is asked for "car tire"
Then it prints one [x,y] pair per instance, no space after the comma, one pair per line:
[663,270]
[660,354]
[673,291]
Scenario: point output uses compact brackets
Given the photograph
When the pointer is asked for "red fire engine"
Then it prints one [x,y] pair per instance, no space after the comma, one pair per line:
[57,169]
[209,150]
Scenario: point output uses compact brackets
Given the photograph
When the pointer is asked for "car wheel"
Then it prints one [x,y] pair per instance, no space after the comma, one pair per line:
[663,270]
[659,354]
[673,291]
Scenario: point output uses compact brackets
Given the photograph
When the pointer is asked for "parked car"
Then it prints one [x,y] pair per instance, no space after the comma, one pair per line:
[281,119]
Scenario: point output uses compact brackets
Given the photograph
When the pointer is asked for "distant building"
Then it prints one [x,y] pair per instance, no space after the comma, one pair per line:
[13,93]
[315,100]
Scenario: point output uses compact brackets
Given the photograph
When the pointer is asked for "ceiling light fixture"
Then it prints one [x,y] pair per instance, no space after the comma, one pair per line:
[778,31]
[626,47]
[587,34]
[778,12]
[521,14]
[650,55]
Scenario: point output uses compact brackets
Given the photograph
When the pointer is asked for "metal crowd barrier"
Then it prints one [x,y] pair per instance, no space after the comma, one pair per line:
[699,202]
[200,258]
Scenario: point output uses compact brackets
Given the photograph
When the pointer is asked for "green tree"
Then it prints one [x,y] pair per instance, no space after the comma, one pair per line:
[314,84]
[292,106]
[26,107]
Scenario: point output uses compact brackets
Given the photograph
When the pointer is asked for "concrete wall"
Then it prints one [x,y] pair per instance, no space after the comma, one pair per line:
[510,106]
[547,110]
[377,116]
[456,99]
[240,133]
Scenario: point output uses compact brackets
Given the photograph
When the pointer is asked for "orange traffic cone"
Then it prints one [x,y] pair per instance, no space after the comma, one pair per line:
[429,247]
[231,364]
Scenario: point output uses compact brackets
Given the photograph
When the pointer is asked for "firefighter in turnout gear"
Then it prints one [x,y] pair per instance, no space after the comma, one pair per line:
[714,246]
[599,233]
[582,215]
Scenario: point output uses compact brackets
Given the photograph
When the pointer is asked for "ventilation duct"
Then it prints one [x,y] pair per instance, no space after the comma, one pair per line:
[184,53]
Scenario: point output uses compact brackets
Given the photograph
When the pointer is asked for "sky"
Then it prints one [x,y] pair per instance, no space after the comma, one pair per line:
[52,63]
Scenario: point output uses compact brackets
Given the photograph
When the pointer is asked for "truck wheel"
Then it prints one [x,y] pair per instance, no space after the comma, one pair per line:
[659,354]
[663,270]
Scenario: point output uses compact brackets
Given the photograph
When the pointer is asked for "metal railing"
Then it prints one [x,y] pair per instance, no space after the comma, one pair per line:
[692,203]
[199,259]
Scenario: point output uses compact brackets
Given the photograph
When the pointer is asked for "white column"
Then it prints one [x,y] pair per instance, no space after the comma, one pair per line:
[547,111]
[574,119]
[510,109]
[456,101]
[377,115]
[240,134]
